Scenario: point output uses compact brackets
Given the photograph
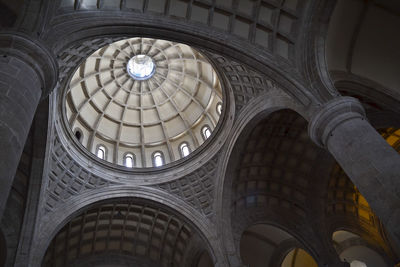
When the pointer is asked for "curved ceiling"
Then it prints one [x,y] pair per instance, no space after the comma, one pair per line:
[140,96]
[363,41]
[140,233]
[278,172]
[275,165]
[353,249]
[267,245]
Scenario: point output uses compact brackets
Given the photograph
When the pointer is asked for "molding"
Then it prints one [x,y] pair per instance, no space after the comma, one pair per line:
[313,57]
[35,54]
[367,88]
[51,223]
[253,112]
[81,26]
[332,114]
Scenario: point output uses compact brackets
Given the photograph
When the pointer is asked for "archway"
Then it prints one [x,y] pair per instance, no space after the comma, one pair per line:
[267,245]
[269,179]
[126,232]
[353,249]
[346,208]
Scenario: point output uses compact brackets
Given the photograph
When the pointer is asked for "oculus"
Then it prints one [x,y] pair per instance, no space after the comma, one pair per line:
[141,67]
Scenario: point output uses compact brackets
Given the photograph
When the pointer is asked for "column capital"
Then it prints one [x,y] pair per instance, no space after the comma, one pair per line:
[332,114]
[34,53]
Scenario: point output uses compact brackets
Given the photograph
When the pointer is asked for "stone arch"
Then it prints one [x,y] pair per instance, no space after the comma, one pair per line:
[351,246]
[89,37]
[206,233]
[382,108]
[347,210]
[255,111]
[267,245]
[261,39]
[271,177]
[53,223]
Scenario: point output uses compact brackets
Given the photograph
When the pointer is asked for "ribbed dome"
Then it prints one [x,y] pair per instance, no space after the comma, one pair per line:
[141,98]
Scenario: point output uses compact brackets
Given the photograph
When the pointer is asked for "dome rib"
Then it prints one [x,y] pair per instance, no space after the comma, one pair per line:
[128,114]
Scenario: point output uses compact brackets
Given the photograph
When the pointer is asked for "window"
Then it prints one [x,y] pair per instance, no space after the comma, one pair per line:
[129,160]
[219,108]
[78,135]
[158,159]
[184,149]
[206,131]
[101,152]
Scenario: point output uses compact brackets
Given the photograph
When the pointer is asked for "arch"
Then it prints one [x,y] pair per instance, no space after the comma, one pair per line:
[142,25]
[158,158]
[348,211]
[353,249]
[381,107]
[184,149]
[206,132]
[55,221]
[272,172]
[267,245]
[101,152]
[257,109]
[219,108]
[140,229]
[129,160]
[78,134]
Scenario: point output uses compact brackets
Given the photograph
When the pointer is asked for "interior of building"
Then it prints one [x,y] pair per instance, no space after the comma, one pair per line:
[200,133]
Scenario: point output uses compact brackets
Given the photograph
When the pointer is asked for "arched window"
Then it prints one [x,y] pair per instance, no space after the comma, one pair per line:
[78,135]
[158,159]
[101,152]
[206,132]
[129,160]
[219,108]
[184,149]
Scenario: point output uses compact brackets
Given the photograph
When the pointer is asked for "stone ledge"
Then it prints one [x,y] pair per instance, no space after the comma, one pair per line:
[332,114]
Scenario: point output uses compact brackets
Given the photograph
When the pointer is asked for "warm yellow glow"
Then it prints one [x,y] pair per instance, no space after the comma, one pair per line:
[392,136]
[298,258]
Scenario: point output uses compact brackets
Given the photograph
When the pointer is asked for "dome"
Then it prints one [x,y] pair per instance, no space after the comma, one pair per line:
[143,102]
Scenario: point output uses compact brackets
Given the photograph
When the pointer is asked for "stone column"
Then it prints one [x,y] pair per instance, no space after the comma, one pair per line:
[371,163]
[28,71]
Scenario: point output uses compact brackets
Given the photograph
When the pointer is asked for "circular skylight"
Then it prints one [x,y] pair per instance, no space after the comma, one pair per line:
[141,67]
[143,102]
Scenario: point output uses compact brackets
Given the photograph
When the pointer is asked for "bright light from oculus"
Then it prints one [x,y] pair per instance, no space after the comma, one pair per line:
[141,67]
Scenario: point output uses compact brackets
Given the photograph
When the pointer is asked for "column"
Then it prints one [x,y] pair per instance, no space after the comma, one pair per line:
[28,72]
[371,163]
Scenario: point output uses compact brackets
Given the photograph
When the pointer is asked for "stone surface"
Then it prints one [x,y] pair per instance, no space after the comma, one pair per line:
[370,162]
[271,56]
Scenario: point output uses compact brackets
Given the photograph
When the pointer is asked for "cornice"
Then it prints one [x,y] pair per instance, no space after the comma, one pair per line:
[34,53]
